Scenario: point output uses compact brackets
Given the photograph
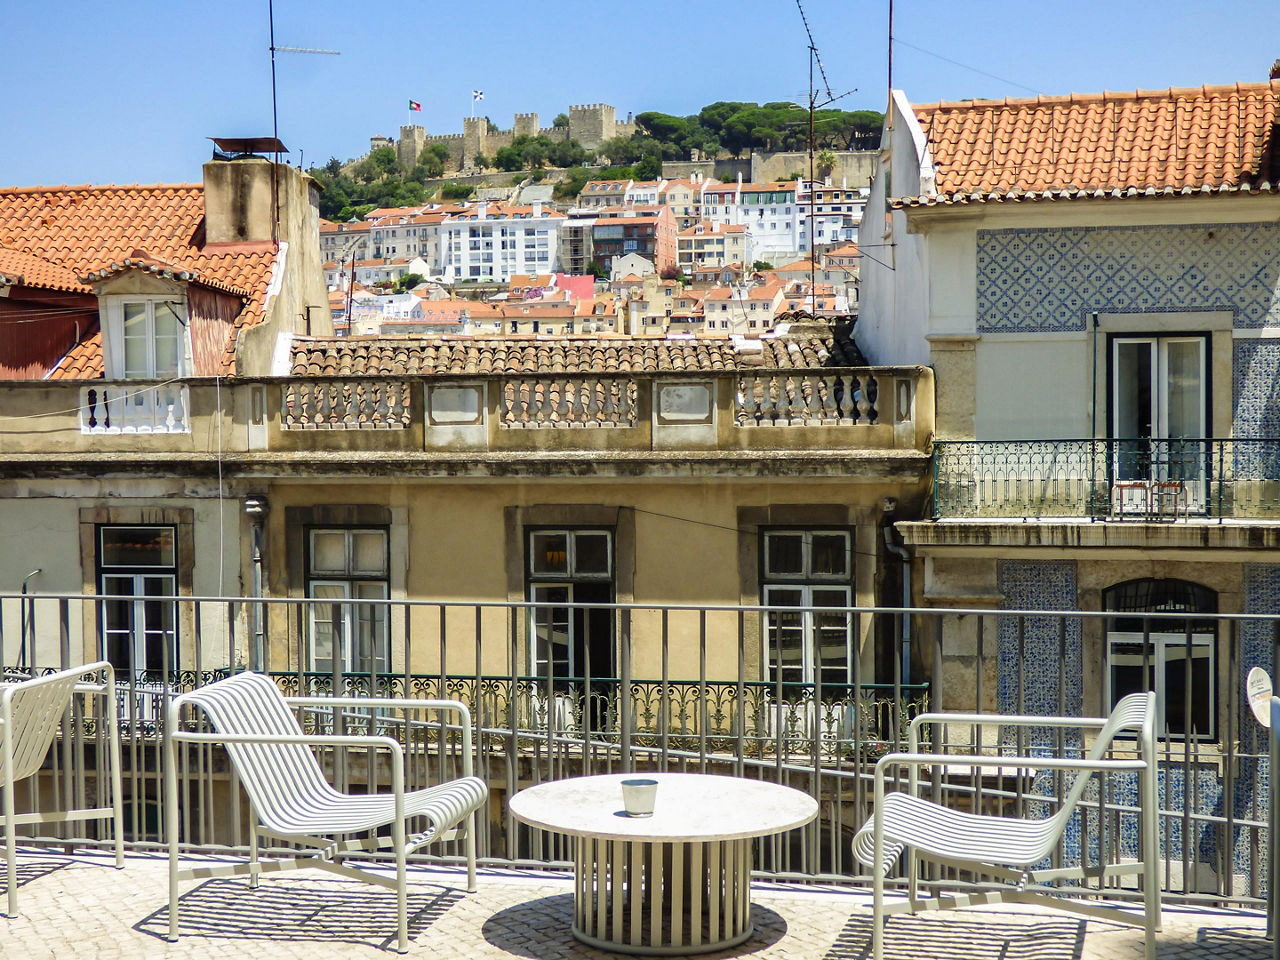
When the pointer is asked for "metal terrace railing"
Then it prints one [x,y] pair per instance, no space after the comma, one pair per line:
[1139,479]
[746,691]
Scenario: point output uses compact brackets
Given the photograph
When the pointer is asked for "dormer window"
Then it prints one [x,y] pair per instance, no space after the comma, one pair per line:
[146,338]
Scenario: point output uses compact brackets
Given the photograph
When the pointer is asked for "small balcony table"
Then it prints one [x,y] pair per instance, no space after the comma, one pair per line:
[675,883]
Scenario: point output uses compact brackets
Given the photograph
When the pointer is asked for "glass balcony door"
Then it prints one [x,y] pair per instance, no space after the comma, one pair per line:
[1159,424]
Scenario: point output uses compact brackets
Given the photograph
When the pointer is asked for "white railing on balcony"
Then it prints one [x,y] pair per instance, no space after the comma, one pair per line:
[373,404]
[127,407]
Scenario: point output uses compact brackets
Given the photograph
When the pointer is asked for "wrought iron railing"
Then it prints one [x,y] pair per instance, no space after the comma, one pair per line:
[689,689]
[1142,479]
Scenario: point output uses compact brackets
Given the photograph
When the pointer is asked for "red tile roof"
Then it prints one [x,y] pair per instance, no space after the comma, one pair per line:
[93,230]
[1145,143]
[22,269]
[498,356]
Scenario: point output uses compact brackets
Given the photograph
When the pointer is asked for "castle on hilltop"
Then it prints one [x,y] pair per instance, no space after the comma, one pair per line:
[591,124]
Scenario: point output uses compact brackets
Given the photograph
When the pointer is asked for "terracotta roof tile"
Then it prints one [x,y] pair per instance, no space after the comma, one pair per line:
[1149,143]
[23,269]
[517,355]
[88,229]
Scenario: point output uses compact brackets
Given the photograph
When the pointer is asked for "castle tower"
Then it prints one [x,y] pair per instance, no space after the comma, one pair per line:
[475,137]
[526,125]
[411,143]
[592,123]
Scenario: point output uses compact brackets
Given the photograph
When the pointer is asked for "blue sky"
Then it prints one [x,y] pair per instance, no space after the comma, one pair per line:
[128,91]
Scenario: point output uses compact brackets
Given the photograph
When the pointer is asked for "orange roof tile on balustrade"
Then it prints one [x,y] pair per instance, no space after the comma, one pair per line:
[1175,142]
[90,232]
[526,355]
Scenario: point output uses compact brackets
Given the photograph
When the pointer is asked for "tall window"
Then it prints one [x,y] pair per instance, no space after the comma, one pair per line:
[137,571]
[811,571]
[1173,657]
[566,567]
[1160,411]
[348,564]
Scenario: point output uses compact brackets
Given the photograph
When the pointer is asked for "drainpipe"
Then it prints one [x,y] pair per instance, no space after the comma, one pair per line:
[255,509]
[893,544]
[28,622]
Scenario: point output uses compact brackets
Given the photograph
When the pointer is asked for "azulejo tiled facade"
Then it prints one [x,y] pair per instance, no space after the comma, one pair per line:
[1033,280]
[1042,665]
[1255,377]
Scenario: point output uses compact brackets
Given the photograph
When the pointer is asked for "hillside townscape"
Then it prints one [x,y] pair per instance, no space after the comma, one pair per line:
[771,530]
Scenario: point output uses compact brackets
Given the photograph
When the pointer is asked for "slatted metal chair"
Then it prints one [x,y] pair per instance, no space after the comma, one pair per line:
[1009,848]
[292,801]
[30,711]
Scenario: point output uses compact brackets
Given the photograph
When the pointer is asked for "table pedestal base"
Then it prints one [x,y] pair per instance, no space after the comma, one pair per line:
[662,898]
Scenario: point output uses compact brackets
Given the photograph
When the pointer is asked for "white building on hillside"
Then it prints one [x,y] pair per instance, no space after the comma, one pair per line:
[769,211]
[492,241]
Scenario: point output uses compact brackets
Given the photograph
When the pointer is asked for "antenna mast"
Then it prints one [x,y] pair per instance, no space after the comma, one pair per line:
[275,119]
[814,105]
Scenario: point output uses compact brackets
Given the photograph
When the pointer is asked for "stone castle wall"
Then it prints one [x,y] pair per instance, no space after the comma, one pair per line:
[590,124]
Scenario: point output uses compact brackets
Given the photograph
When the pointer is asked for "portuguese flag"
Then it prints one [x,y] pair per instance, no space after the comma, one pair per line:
[415,105]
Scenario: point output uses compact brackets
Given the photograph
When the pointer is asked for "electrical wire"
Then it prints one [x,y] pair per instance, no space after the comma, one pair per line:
[898,41]
[718,526]
[77,409]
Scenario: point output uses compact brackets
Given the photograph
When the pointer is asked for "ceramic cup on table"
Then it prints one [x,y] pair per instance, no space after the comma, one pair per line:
[638,796]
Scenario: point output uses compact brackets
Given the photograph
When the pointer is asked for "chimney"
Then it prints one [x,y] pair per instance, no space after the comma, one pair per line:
[537,208]
[237,200]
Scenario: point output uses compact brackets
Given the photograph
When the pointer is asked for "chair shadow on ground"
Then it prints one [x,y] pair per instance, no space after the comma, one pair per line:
[31,870]
[977,937]
[1221,943]
[299,909]
[542,927]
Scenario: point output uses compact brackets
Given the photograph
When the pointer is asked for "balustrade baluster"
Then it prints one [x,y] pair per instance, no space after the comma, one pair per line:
[864,405]
[783,405]
[592,403]
[873,396]
[845,408]
[541,402]
[578,409]
[92,408]
[827,399]
[765,415]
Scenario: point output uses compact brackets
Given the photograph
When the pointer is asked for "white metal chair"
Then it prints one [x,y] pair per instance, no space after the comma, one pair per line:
[292,801]
[30,711]
[1008,848]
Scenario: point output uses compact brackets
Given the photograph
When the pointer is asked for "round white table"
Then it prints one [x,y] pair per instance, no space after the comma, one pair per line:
[678,882]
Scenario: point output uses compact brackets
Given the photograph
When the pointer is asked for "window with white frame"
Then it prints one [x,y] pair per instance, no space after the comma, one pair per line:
[146,338]
[1173,656]
[347,564]
[138,577]
[807,581]
[571,566]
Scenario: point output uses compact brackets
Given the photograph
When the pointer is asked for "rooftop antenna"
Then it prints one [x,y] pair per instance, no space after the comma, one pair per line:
[275,121]
[814,105]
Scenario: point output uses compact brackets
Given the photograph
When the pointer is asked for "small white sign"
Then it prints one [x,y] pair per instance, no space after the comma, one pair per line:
[1258,687]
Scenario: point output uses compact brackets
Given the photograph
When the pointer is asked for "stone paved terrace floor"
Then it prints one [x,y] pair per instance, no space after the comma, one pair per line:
[78,905]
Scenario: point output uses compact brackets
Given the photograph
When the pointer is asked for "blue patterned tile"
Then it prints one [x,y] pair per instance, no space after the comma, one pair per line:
[1039,585]
[1048,279]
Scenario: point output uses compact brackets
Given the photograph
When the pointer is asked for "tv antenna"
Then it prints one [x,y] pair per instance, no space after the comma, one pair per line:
[814,105]
[271,16]
[275,119]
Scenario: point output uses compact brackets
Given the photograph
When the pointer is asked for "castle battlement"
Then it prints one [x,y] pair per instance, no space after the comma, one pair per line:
[589,123]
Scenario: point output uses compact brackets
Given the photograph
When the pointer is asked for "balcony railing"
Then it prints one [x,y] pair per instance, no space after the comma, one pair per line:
[689,688]
[1137,479]
[835,408]
[130,406]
